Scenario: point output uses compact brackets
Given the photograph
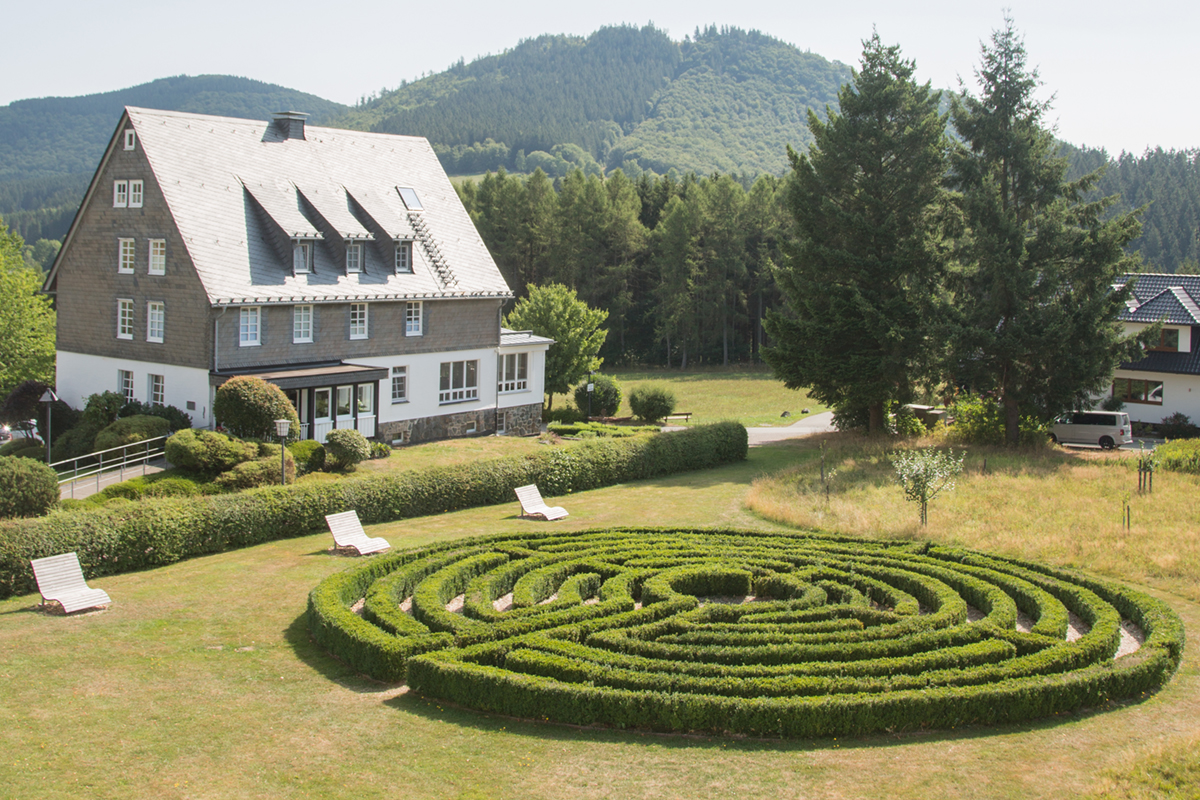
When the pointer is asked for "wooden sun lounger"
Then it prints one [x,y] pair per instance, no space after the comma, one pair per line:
[532,504]
[348,533]
[60,578]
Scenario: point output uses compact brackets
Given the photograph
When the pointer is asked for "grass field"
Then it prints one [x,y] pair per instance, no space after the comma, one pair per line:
[750,395]
[201,682]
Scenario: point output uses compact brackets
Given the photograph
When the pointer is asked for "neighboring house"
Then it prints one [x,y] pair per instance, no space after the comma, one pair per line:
[1167,380]
[339,265]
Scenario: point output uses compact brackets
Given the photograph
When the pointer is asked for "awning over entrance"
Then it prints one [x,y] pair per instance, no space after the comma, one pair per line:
[307,376]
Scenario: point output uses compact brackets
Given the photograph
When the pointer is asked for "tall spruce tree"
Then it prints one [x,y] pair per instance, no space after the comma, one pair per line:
[1036,311]
[862,279]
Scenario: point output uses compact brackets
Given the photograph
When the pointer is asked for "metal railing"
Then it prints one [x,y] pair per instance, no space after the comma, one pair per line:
[115,460]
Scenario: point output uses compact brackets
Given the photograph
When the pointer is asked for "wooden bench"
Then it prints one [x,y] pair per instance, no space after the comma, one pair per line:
[532,504]
[348,534]
[60,578]
[686,416]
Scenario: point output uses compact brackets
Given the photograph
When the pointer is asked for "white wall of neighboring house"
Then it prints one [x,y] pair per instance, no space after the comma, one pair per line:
[537,380]
[79,376]
[1181,394]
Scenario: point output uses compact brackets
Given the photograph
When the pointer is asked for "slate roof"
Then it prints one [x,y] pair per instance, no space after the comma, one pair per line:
[1175,299]
[235,187]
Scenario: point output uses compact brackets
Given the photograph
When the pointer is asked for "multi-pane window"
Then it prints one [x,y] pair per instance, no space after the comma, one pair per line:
[353,258]
[412,319]
[156,319]
[1168,342]
[399,384]
[302,257]
[120,194]
[358,320]
[135,194]
[248,327]
[157,391]
[404,257]
[512,372]
[126,253]
[302,324]
[125,384]
[124,319]
[459,381]
[130,139]
[158,257]
[1135,390]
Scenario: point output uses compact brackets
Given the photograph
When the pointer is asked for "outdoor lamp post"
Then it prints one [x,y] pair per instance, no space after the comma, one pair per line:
[48,398]
[281,429]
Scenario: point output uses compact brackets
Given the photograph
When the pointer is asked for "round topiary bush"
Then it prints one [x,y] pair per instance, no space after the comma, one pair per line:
[131,430]
[309,455]
[248,406]
[606,397]
[346,447]
[28,488]
[758,633]
[207,452]
[651,403]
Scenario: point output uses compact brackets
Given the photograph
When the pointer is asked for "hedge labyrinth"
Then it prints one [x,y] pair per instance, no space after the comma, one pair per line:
[768,634]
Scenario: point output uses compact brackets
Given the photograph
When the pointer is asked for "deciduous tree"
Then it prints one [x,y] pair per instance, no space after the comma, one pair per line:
[26,319]
[557,312]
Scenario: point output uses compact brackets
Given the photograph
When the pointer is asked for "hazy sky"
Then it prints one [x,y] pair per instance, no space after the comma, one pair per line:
[1123,73]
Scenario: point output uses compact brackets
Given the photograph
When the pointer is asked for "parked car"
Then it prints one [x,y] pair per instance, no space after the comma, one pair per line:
[1108,429]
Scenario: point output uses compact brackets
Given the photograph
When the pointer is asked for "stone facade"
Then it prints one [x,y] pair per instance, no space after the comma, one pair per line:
[520,421]
[523,420]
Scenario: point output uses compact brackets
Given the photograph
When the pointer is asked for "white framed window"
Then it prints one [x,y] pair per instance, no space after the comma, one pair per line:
[248,327]
[302,257]
[302,324]
[399,384]
[358,320]
[404,261]
[512,372]
[125,384]
[366,398]
[345,400]
[130,139]
[124,318]
[120,194]
[135,194]
[156,321]
[126,255]
[353,258]
[157,390]
[158,257]
[459,381]
[412,319]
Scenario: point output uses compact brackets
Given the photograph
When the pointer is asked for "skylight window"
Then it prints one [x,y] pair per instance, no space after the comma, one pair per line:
[409,196]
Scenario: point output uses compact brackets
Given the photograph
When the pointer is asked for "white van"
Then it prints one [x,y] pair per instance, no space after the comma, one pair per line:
[1108,429]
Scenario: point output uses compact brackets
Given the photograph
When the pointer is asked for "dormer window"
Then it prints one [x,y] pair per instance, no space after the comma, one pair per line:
[409,196]
[353,258]
[302,257]
[130,139]
[404,257]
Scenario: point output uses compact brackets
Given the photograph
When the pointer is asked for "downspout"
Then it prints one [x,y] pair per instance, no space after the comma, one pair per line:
[216,357]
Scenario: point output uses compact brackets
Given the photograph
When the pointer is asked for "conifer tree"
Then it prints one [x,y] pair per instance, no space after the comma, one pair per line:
[1035,308]
[862,280]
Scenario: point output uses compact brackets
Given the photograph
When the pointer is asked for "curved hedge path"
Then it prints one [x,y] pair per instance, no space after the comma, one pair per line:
[634,628]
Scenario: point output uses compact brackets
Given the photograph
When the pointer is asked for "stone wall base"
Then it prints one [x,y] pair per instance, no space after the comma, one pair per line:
[518,421]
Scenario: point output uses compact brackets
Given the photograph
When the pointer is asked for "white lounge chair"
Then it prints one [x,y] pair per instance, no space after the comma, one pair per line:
[60,578]
[532,504]
[348,533]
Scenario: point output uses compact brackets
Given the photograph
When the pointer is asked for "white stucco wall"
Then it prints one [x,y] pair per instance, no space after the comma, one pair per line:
[537,379]
[1185,333]
[79,375]
[1181,393]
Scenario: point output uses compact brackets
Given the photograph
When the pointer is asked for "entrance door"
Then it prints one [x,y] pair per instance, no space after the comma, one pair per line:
[322,413]
[299,398]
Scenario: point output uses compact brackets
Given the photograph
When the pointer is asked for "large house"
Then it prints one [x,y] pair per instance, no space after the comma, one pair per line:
[1167,380]
[339,265]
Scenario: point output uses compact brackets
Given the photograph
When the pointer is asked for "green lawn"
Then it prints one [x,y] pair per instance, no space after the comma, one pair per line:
[749,394]
[201,682]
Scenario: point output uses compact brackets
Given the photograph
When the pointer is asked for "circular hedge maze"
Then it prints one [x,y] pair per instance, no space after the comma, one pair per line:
[736,631]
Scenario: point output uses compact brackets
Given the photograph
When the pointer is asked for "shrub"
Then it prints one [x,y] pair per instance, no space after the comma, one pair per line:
[980,420]
[176,418]
[1178,426]
[154,532]
[19,447]
[28,488]
[346,447]
[23,402]
[566,415]
[207,452]
[651,403]
[1182,455]
[590,430]
[248,407]
[76,442]
[380,450]
[606,397]
[131,430]
[148,486]
[309,455]
[264,471]
[905,423]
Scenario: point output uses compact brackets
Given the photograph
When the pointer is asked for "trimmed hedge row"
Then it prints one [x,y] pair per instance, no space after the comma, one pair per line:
[645,628]
[155,532]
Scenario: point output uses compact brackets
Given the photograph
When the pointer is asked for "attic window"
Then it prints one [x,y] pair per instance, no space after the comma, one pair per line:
[130,139]
[404,261]
[409,196]
[353,258]
[302,257]
[1168,342]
